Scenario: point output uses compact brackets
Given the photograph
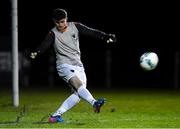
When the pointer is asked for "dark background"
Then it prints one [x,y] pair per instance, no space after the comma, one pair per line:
[139,27]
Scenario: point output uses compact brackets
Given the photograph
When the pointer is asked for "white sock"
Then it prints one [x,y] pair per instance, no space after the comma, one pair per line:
[71,101]
[85,94]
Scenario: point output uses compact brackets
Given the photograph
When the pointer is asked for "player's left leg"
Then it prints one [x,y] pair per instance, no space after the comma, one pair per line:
[79,83]
[84,93]
[97,104]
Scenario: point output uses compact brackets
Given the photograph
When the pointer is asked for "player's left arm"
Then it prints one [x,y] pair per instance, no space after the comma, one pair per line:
[83,29]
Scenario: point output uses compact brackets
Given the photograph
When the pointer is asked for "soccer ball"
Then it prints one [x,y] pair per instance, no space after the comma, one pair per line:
[149,61]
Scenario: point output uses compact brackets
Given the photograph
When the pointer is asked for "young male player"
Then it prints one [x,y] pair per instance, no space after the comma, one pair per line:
[65,39]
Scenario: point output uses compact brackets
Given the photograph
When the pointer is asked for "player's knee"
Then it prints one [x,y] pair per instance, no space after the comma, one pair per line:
[75,82]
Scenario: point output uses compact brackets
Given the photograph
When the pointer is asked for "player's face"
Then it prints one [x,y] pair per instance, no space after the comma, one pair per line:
[61,25]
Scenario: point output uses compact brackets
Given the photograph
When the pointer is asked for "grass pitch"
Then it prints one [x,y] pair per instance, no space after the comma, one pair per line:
[140,108]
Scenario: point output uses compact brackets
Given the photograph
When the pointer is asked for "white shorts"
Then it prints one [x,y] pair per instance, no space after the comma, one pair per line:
[67,71]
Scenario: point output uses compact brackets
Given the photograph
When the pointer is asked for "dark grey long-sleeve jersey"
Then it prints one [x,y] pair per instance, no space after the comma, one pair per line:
[66,44]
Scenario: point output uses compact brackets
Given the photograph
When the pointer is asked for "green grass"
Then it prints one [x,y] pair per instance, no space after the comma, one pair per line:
[148,108]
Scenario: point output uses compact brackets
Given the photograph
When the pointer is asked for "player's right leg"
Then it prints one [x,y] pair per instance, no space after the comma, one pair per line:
[70,102]
[55,119]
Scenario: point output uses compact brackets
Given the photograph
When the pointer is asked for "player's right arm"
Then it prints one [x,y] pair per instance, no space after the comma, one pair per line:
[45,44]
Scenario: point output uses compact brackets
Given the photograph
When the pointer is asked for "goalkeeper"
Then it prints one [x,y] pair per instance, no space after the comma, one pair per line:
[65,39]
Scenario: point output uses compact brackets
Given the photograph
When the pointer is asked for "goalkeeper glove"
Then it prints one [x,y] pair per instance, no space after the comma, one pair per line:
[110,38]
[33,55]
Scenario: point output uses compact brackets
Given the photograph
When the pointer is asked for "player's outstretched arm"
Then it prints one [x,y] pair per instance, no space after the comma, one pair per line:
[83,29]
[46,43]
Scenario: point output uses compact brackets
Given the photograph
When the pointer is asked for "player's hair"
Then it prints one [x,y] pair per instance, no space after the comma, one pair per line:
[59,14]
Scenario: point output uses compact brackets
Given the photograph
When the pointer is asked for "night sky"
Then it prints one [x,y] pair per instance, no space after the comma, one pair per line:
[139,27]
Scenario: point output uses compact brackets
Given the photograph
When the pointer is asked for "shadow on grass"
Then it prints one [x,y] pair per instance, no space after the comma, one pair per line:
[66,122]
[7,105]
[41,122]
[8,122]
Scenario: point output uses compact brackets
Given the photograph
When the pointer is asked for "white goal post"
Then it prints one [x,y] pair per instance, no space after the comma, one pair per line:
[15,60]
